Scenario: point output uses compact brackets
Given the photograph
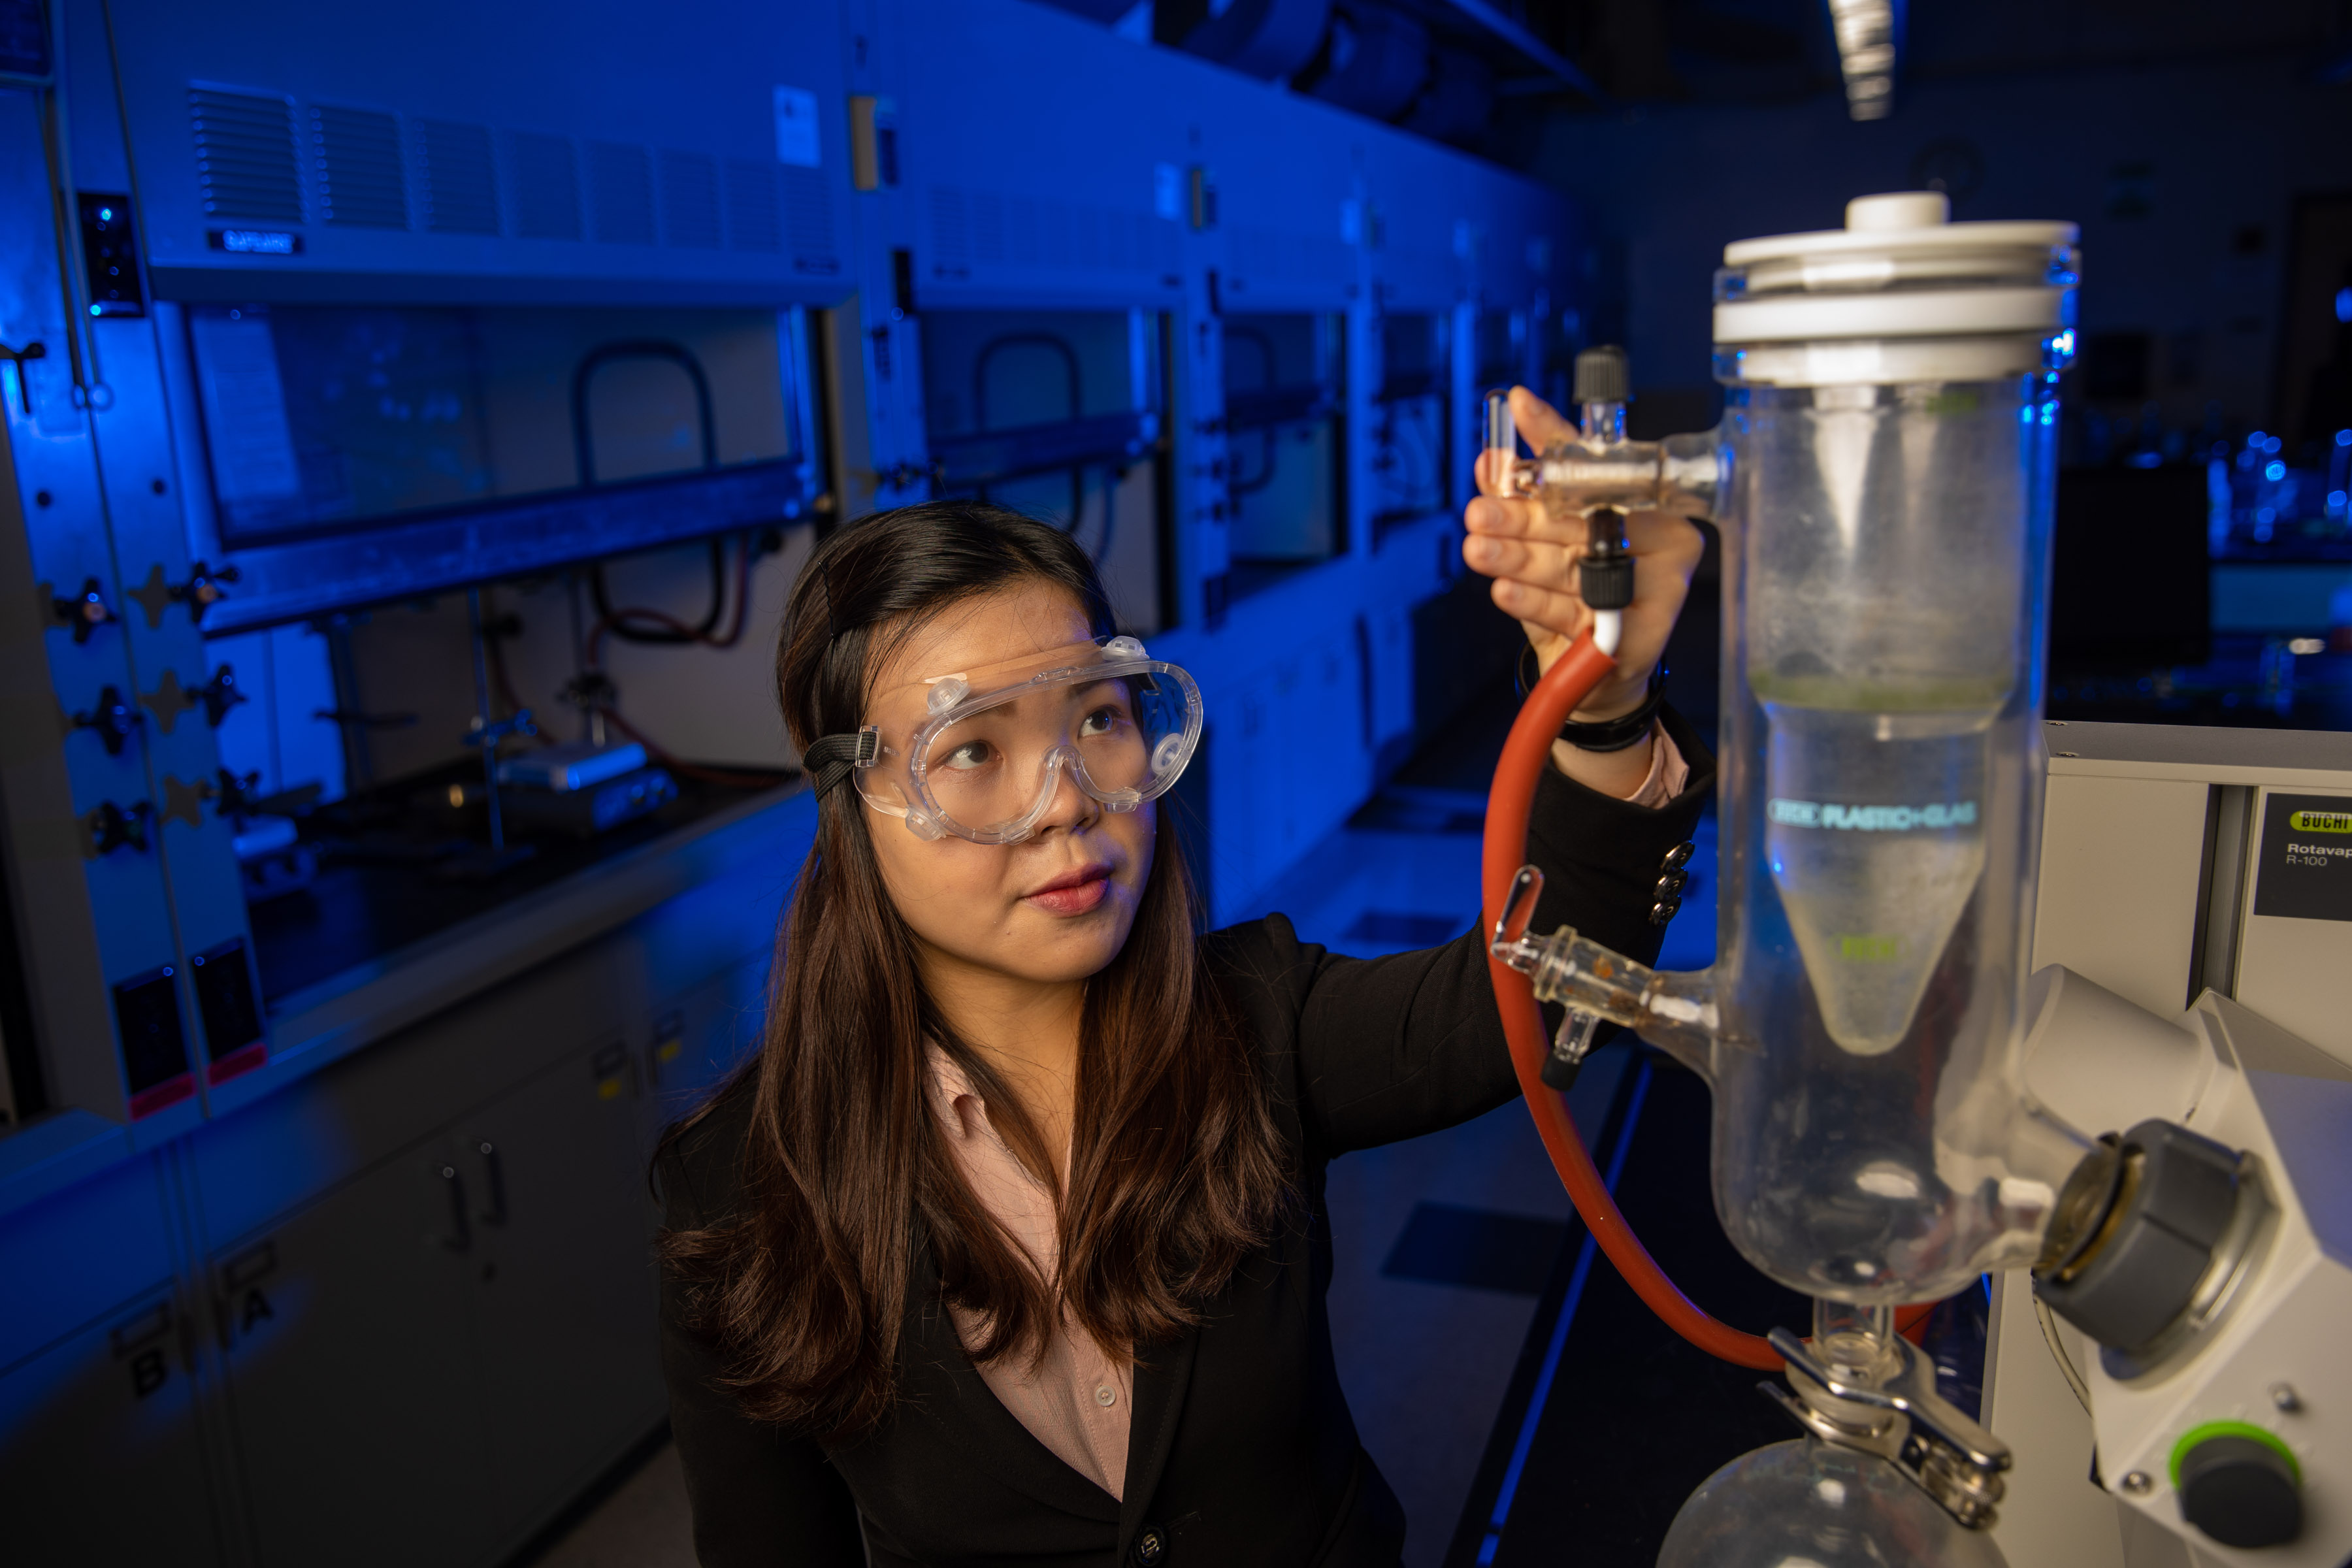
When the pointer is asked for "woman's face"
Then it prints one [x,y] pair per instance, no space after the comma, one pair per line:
[1055,907]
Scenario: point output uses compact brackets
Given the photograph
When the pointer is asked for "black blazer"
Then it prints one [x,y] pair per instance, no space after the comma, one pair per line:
[1243,1450]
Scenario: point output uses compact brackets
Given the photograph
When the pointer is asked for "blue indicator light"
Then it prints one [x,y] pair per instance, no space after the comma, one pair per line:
[2343,303]
[2274,470]
[2344,437]
[106,214]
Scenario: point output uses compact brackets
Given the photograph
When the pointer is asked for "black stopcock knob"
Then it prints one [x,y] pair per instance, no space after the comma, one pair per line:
[2242,1489]
[1605,576]
[1603,376]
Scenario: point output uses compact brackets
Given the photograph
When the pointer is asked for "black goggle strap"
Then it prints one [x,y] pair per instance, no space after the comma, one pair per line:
[831,759]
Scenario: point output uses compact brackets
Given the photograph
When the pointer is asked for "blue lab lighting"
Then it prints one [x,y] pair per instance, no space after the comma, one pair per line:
[2274,470]
[2343,303]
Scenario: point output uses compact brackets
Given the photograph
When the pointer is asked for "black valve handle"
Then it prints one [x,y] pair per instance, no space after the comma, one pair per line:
[112,826]
[114,718]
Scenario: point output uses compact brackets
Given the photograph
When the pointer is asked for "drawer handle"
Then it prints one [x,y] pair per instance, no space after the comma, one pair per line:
[461,1231]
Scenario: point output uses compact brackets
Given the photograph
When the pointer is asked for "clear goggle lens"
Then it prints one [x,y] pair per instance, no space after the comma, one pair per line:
[987,764]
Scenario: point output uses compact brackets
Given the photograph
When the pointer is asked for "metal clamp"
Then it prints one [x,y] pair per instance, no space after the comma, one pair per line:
[1900,1418]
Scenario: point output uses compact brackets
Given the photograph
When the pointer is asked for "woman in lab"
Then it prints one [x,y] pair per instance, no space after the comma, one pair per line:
[1009,1245]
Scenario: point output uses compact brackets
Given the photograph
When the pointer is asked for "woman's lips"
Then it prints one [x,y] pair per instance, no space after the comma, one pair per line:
[1073,892]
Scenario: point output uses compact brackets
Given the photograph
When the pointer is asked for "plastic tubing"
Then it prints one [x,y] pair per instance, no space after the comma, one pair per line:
[1569,680]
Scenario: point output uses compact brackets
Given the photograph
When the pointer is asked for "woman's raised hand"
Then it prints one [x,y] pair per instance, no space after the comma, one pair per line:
[1532,558]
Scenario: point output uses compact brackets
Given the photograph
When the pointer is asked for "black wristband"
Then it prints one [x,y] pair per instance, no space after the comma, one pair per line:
[1608,734]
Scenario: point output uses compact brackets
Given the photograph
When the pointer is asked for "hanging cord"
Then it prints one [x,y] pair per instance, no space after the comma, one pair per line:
[677,633]
[1060,347]
[1235,485]
[1525,757]
[640,624]
[591,660]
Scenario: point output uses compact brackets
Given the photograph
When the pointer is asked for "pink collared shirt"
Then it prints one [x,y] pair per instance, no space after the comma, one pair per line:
[1669,774]
[1076,1399]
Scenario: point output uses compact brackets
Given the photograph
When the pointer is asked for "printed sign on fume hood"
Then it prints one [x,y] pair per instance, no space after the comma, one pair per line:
[2306,871]
[796,135]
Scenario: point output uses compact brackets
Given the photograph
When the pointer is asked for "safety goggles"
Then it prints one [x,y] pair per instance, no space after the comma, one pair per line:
[981,753]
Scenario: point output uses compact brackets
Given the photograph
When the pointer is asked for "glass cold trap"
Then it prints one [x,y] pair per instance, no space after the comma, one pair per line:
[1882,480]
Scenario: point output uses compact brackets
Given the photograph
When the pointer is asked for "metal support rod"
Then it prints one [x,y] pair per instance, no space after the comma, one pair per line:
[482,720]
[359,759]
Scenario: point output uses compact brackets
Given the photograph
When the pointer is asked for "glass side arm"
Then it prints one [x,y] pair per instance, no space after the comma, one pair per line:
[1674,1012]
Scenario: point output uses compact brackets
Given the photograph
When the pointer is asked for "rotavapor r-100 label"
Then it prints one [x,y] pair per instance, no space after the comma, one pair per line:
[2305,867]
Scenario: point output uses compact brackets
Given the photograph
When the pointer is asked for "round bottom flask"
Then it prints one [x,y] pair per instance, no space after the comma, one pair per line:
[1807,1504]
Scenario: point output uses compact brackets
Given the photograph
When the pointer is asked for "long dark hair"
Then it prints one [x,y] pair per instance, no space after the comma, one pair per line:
[1176,1171]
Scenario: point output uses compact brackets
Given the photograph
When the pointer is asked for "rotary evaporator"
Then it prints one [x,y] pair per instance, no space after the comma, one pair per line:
[1901,1103]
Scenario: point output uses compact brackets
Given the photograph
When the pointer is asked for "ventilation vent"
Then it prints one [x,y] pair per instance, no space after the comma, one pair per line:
[461,186]
[950,237]
[1021,216]
[987,227]
[808,222]
[246,155]
[689,200]
[754,221]
[359,168]
[23,37]
[621,191]
[546,187]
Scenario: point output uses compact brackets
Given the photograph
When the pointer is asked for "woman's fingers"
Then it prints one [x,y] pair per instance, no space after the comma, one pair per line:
[1521,518]
[1660,535]
[1540,425]
[1557,611]
[1529,560]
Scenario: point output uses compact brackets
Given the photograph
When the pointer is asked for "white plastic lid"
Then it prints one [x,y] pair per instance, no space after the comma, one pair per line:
[1899,268]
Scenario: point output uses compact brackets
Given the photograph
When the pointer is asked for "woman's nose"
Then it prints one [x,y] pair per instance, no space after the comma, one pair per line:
[1068,805]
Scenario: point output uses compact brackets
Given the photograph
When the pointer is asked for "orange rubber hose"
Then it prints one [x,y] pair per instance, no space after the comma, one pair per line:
[1512,797]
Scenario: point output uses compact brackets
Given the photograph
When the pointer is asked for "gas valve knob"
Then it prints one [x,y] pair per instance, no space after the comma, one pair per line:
[203,590]
[114,718]
[84,612]
[219,695]
[111,826]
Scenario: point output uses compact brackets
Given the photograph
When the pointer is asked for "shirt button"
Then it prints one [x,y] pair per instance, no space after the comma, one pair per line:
[1678,857]
[1105,1396]
[1151,1546]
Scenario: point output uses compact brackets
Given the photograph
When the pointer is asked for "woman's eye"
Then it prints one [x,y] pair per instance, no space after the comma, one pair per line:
[970,754]
[1101,721]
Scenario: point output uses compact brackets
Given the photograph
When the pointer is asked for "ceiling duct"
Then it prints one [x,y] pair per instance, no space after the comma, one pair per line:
[1454,105]
[1103,11]
[1374,62]
[1269,39]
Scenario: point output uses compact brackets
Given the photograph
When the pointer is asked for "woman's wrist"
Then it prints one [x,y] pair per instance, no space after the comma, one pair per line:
[1617,775]
[1613,699]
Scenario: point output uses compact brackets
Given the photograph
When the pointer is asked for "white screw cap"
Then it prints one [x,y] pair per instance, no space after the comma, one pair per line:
[1899,209]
